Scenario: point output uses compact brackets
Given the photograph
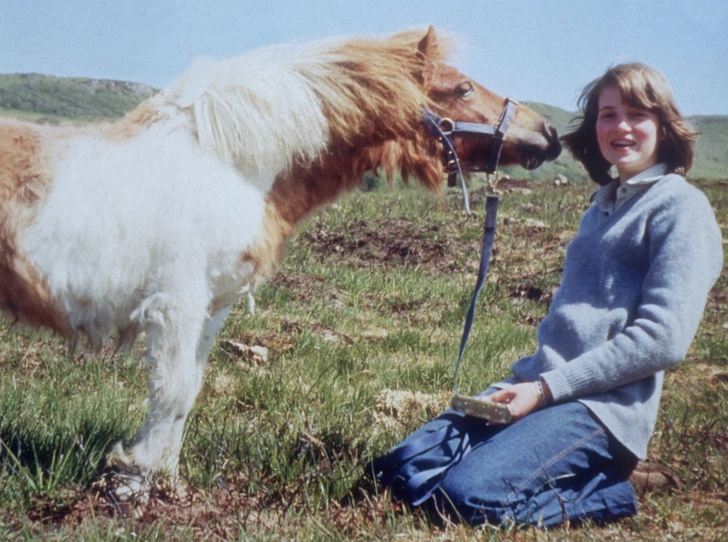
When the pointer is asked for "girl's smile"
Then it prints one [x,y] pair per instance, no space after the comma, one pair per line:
[627,135]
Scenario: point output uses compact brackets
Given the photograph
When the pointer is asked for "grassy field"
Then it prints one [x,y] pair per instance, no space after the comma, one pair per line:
[361,327]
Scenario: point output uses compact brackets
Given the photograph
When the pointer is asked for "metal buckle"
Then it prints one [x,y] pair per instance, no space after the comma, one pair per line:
[446,121]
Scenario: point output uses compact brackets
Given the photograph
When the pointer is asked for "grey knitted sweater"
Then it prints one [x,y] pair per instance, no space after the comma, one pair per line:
[635,282]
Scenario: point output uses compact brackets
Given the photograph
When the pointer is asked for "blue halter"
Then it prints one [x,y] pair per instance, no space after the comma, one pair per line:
[444,129]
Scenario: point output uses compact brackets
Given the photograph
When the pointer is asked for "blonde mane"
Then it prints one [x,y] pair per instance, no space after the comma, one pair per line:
[278,106]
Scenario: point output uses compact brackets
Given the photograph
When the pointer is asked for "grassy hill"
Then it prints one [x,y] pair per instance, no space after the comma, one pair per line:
[712,147]
[43,98]
[50,99]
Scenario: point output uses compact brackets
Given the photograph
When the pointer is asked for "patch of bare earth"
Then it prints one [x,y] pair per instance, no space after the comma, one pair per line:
[217,514]
[387,243]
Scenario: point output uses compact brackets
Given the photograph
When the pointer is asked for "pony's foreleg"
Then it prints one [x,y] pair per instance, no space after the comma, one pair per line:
[177,353]
[212,327]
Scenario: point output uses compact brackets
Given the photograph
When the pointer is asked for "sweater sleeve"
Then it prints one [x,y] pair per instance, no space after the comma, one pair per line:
[685,259]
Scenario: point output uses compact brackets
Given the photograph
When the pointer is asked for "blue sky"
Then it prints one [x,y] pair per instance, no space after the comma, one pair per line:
[534,50]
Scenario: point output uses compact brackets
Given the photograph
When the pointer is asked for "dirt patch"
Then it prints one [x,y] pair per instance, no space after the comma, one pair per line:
[217,514]
[189,513]
[392,243]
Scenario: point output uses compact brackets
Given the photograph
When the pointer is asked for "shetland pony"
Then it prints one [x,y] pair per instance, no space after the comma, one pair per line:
[159,222]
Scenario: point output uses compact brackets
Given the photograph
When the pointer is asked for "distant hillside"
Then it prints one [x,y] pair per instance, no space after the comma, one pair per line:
[712,147]
[55,99]
[43,98]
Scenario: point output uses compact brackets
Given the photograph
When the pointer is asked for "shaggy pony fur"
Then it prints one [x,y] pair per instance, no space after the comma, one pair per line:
[158,223]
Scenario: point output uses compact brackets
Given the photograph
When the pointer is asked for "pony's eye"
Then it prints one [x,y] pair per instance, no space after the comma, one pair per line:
[465,89]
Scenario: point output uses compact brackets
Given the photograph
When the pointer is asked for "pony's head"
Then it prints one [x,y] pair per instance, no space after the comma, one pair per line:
[530,139]
[374,94]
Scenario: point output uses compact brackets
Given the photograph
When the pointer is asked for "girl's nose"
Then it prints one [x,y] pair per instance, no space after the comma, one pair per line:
[623,124]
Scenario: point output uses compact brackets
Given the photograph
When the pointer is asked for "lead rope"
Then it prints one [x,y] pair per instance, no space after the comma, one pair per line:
[486,250]
[422,485]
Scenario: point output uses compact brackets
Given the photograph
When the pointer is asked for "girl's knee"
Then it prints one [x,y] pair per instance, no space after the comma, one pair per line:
[468,490]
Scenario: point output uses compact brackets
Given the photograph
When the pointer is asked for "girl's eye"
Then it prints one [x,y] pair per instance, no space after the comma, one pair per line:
[465,89]
[638,113]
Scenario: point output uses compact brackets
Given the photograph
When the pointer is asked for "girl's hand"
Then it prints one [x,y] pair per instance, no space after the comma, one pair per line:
[522,399]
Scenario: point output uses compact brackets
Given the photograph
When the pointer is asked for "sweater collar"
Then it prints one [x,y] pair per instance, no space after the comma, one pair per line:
[612,196]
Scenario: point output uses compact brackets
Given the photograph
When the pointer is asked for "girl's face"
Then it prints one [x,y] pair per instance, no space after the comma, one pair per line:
[627,136]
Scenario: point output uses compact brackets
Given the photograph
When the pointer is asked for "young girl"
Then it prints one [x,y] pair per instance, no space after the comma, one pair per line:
[635,282]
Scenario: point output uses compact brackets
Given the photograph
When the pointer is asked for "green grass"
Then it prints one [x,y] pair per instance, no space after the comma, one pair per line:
[369,303]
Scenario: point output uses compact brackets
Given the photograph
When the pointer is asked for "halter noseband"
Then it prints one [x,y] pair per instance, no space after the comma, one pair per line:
[444,129]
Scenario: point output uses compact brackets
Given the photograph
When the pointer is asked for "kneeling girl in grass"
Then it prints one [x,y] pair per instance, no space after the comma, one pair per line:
[635,283]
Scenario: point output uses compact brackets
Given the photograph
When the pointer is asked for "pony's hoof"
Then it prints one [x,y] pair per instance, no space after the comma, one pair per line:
[125,494]
[131,495]
[123,481]
[128,487]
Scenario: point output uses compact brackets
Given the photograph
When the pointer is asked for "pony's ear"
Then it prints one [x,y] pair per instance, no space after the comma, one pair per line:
[427,50]
[428,46]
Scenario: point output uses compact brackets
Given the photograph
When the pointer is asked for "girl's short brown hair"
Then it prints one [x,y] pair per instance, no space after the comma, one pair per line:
[640,86]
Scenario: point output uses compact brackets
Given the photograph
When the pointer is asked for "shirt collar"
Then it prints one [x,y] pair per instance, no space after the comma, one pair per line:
[648,176]
[613,195]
